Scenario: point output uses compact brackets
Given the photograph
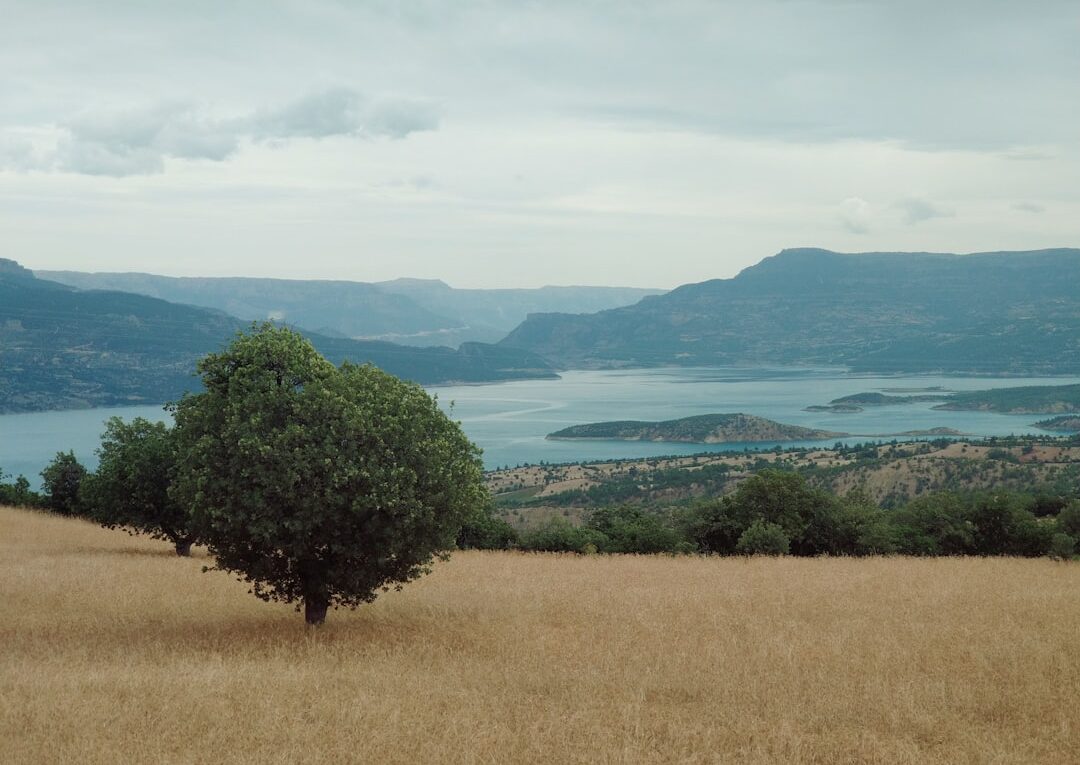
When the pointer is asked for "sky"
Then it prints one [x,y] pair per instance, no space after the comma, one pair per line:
[498,144]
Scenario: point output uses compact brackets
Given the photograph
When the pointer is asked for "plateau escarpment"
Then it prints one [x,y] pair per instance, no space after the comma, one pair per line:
[988,313]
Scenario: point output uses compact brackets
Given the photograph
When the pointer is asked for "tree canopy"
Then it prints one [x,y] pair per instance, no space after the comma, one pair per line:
[130,488]
[319,484]
[61,480]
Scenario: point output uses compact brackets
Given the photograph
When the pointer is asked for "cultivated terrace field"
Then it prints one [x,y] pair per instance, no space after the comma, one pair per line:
[116,650]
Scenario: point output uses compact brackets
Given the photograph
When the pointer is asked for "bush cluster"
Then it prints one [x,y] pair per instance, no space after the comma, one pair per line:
[778,513]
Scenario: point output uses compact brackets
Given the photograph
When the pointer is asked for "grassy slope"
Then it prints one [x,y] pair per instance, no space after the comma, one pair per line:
[116,650]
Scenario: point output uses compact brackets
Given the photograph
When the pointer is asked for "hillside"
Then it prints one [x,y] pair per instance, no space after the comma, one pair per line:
[416,312]
[889,474]
[1026,399]
[701,429]
[63,348]
[491,313]
[1063,424]
[987,313]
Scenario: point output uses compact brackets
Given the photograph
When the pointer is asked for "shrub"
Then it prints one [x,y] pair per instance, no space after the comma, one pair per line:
[559,535]
[763,538]
[18,493]
[630,529]
[484,531]
[1068,520]
[1062,547]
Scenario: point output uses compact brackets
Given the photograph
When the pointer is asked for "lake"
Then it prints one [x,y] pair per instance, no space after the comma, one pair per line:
[509,420]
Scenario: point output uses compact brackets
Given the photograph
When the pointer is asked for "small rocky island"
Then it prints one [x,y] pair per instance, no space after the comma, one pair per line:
[834,408]
[702,429]
[926,432]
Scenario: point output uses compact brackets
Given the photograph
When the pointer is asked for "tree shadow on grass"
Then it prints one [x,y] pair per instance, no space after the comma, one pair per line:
[166,551]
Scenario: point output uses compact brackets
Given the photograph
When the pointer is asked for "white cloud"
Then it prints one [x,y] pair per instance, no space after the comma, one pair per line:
[917,210]
[139,141]
[855,215]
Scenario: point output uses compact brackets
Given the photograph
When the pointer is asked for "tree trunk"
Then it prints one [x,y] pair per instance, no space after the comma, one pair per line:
[183,547]
[315,609]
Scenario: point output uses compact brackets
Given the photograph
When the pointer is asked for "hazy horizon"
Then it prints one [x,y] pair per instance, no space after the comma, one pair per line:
[525,144]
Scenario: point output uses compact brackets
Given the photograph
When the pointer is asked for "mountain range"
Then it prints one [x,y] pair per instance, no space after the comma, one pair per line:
[420,312]
[1004,313]
[63,348]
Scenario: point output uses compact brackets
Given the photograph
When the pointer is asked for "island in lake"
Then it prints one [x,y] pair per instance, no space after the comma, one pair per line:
[1064,424]
[951,432]
[701,429]
[834,408]
[880,399]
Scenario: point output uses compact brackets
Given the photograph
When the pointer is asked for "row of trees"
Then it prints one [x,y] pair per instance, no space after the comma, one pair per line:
[319,485]
[778,513]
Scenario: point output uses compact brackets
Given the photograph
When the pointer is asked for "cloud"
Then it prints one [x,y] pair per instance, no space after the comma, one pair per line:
[343,112]
[855,215]
[19,154]
[137,142]
[1031,207]
[917,210]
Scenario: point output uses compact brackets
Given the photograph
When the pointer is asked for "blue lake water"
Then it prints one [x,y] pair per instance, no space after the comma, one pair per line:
[509,420]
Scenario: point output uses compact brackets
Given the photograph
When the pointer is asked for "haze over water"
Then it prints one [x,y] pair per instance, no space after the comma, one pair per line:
[510,420]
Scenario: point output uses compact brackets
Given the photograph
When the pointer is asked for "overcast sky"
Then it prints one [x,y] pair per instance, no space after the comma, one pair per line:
[529,143]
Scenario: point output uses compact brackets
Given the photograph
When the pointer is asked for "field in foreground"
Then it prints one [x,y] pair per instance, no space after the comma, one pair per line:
[115,650]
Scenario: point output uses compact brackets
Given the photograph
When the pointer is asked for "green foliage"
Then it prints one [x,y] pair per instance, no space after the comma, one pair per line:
[630,529]
[315,483]
[713,526]
[1002,525]
[936,524]
[482,530]
[1068,520]
[784,498]
[1062,547]
[559,535]
[763,538]
[17,493]
[61,480]
[130,488]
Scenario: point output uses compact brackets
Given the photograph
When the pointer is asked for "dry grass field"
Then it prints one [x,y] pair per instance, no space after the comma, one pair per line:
[114,650]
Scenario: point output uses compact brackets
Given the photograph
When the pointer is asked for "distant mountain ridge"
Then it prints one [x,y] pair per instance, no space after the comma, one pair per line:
[984,313]
[63,348]
[416,312]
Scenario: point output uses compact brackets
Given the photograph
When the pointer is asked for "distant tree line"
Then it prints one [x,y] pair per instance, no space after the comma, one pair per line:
[777,512]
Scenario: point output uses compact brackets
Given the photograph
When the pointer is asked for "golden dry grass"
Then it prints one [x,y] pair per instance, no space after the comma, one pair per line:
[114,650]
